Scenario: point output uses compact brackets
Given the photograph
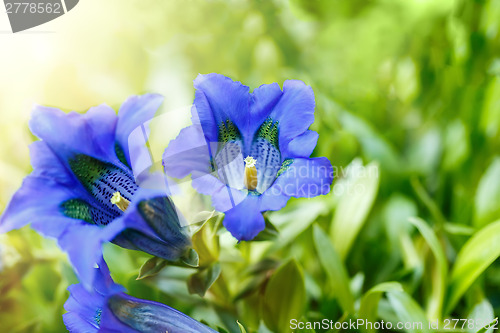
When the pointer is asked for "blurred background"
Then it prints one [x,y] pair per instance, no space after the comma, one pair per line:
[408,110]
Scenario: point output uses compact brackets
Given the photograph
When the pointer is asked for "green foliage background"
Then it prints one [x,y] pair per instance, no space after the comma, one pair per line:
[408,111]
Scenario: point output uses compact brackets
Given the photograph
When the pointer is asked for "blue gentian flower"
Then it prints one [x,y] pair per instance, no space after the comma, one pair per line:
[249,151]
[83,192]
[106,308]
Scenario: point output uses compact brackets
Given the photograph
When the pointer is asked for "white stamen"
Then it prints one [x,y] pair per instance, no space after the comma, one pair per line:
[250,162]
[120,201]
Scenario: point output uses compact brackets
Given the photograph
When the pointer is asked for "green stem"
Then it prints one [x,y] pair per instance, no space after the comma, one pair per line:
[428,202]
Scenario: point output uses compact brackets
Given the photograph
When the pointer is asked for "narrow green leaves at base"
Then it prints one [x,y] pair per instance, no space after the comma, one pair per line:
[359,192]
[458,229]
[242,329]
[482,312]
[295,220]
[479,252]
[491,325]
[369,303]
[334,268]
[407,310]
[440,269]
[284,298]
[486,207]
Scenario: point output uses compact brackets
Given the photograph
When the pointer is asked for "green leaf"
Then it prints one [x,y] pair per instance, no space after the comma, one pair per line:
[228,318]
[269,233]
[201,281]
[242,329]
[396,212]
[440,272]
[428,201]
[486,328]
[250,287]
[425,151]
[294,220]
[456,145]
[284,298]
[334,269]
[263,266]
[206,241]
[375,146]
[459,229]
[408,311]
[151,267]
[258,277]
[480,251]
[191,258]
[359,193]
[368,308]
[482,313]
[486,207]
[490,117]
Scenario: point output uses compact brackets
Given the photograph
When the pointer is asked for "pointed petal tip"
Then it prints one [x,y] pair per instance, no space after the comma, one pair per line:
[154,100]
[202,79]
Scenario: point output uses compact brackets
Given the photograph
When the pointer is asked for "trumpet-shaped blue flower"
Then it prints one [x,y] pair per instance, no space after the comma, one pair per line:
[106,308]
[83,192]
[249,151]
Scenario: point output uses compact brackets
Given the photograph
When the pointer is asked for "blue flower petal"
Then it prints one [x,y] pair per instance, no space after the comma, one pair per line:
[92,133]
[245,220]
[217,99]
[103,283]
[83,302]
[76,324]
[271,200]
[187,153]
[304,177]
[263,101]
[136,111]
[206,183]
[294,111]
[226,198]
[302,145]
[47,165]
[37,201]
[83,243]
